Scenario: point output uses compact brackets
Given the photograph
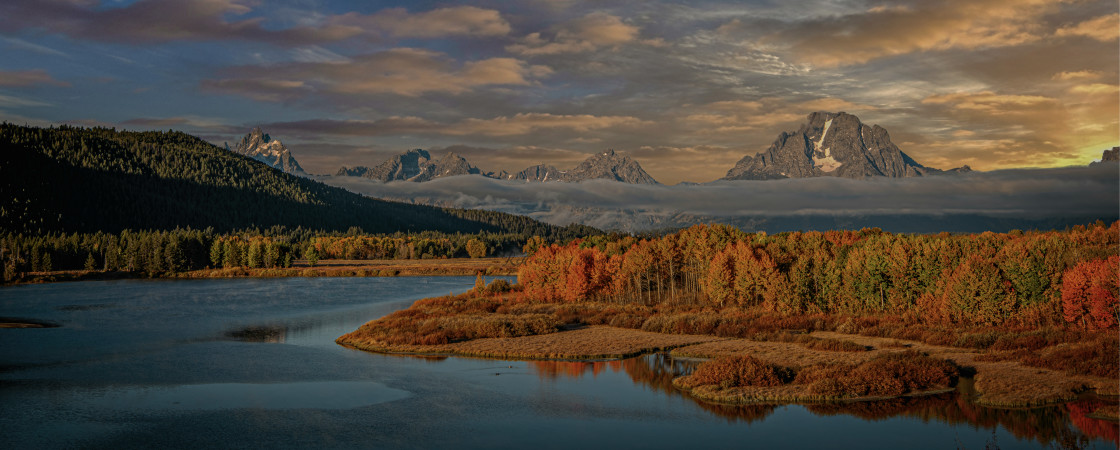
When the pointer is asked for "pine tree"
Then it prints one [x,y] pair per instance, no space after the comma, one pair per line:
[216,250]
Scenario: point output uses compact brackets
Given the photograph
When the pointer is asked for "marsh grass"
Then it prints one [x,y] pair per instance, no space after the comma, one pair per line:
[745,379]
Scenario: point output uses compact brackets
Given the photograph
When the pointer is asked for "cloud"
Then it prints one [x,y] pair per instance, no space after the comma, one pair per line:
[151,21]
[1096,89]
[526,123]
[154,21]
[770,114]
[442,22]
[7,101]
[920,26]
[1103,28]
[27,78]
[516,125]
[1034,194]
[591,32]
[990,102]
[401,71]
[1077,75]
[201,124]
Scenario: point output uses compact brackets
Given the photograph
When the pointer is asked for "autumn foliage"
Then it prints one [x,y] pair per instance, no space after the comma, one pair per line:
[1089,293]
[1033,279]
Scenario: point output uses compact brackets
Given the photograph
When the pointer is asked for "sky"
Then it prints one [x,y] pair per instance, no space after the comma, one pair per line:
[686,88]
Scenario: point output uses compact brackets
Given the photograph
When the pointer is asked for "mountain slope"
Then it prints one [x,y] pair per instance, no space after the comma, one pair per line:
[607,165]
[97,179]
[414,165]
[261,147]
[831,144]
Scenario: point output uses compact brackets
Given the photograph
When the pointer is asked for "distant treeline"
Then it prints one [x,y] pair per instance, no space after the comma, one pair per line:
[1030,278]
[88,180]
[155,253]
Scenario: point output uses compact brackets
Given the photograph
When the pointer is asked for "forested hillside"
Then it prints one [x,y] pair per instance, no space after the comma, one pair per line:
[71,179]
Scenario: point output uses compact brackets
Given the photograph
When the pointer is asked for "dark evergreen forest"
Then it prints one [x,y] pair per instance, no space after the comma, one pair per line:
[73,179]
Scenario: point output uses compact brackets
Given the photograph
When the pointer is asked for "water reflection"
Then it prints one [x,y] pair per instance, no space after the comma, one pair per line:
[1066,425]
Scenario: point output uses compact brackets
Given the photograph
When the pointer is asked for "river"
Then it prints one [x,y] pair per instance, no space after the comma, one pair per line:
[253,363]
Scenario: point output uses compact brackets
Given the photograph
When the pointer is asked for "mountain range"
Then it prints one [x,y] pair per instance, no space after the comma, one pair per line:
[414,165]
[417,165]
[828,144]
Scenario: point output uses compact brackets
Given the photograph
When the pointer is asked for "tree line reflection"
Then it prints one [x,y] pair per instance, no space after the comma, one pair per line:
[1066,425]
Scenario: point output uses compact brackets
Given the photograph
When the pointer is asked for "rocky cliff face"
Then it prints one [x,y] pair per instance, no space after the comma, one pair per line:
[1110,156]
[414,165]
[261,147]
[611,166]
[606,165]
[832,144]
[537,173]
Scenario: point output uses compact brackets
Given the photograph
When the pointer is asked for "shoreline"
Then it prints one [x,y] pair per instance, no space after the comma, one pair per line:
[999,384]
[450,267]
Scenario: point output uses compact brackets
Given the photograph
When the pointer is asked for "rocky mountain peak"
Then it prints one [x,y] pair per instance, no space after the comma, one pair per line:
[261,147]
[831,144]
[605,165]
[413,165]
[1110,156]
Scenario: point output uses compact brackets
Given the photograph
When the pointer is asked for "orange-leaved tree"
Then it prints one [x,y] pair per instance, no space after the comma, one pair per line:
[1089,293]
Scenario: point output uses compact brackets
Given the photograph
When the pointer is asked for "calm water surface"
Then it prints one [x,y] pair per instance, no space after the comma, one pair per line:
[253,363]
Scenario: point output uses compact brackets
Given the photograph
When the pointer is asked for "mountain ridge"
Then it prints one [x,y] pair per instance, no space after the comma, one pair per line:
[261,147]
[832,144]
[417,165]
[77,179]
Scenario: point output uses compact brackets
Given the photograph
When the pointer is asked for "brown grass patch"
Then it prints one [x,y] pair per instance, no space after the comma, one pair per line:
[594,342]
[885,375]
[745,379]
[738,371]
[1099,357]
[782,353]
[1002,380]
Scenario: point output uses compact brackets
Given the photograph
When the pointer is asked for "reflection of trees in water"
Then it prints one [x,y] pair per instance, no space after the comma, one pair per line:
[1065,425]
[1103,429]
[268,334]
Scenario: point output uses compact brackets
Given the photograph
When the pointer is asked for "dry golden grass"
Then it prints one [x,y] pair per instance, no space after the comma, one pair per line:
[594,342]
[998,383]
[1107,412]
[788,354]
[745,379]
[1002,383]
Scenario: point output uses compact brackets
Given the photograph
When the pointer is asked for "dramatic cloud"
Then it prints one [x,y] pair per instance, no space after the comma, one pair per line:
[1103,28]
[686,88]
[400,71]
[591,32]
[919,26]
[25,78]
[1077,75]
[456,21]
[519,124]
[151,21]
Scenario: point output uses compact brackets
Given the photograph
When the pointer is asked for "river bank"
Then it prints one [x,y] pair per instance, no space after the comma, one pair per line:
[302,268]
[501,325]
